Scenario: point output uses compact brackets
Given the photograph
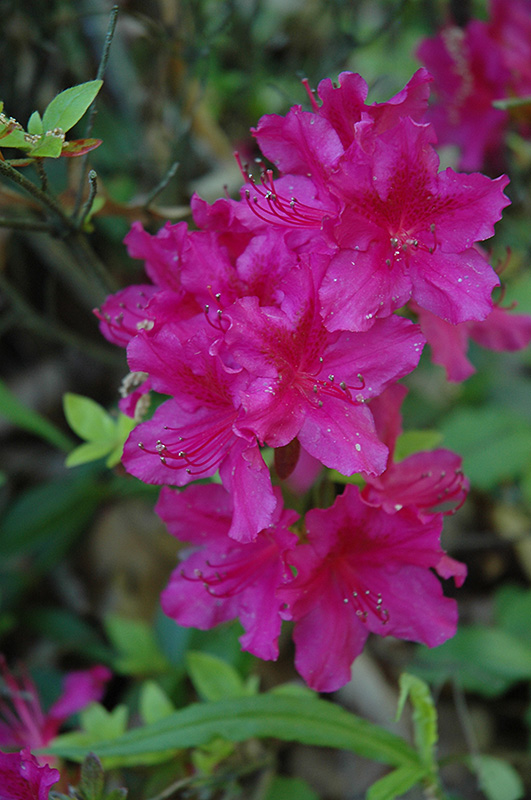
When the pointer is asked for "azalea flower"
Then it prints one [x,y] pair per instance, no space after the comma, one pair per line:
[23,778]
[474,66]
[364,571]
[407,232]
[220,579]
[23,723]
[425,482]
[309,383]
[195,433]
[501,330]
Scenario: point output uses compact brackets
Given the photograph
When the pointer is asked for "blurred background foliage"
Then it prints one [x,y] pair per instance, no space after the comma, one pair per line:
[83,557]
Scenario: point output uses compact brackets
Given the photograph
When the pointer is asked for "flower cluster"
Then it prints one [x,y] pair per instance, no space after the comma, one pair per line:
[24,726]
[272,327]
[474,66]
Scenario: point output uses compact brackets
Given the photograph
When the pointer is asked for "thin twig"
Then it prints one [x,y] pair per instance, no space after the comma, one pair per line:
[93,189]
[44,199]
[162,185]
[26,225]
[92,109]
[31,320]
[41,172]
[218,778]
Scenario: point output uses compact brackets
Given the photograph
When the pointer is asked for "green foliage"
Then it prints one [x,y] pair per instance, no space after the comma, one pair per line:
[104,435]
[23,417]
[294,788]
[68,107]
[497,779]
[495,443]
[289,718]
[214,679]
[487,660]
[154,703]
[411,442]
[424,716]
[405,776]
[92,779]
[138,652]
[45,137]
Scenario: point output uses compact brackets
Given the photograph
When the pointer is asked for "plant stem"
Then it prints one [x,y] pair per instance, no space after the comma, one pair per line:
[205,780]
[30,319]
[162,185]
[44,199]
[25,224]
[93,189]
[92,109]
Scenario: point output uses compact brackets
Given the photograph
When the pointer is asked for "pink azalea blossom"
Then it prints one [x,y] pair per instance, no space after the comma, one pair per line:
[500,331]
[219,579]
[312,384]
[364,571]
[408,231]
[23,723]
[425,482]
[311,143]
[195,433]
[23,778]
[472,67]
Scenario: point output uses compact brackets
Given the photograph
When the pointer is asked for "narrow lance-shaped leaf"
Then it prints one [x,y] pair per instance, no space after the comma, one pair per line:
[310,721]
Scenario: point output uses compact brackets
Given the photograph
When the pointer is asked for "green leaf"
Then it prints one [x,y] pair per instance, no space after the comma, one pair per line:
[139,652]
[208,757]
[124,426]
[68,107]
[415,442]
[396,783]
[15,138]
[495,443]
[213,678]
[511,102]
[337,477]
[90,451]
[294,788]
[68,632]
[88,419]
[92,778]
[49,146]
[154,703]
[41,524]
[485,660]
[35,124]
[310,721]
[513,611]
[12,409]
[424,715]
[497,779]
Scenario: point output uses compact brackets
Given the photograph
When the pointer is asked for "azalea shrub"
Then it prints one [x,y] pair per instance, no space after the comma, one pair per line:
[281,347]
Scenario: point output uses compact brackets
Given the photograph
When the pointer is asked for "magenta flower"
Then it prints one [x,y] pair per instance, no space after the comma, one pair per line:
[221,580]
[364,571]
[468,75]
[23,723]
[311,143]
[486,61]
[312,384]
[194,434]
[408,231]
[500,331]
[426,482]
[23,778]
